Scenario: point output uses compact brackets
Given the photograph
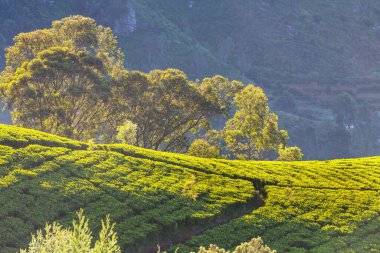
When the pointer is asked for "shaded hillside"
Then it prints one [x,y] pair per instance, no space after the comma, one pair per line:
[311,50]
[271,42]
[182,201]
[150,39]
[285,41]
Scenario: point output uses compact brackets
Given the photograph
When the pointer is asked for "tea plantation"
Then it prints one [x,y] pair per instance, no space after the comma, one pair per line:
[183,202]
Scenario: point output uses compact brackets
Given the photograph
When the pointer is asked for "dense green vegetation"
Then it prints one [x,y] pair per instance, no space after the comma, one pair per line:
[70,80]
[79,238]
[54,238]
[182,201]
[303,54]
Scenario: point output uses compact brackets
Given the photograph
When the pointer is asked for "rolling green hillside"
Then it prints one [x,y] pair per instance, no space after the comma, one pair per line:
[182,201]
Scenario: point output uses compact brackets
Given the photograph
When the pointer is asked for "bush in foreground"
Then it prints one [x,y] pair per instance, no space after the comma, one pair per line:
[254,246]
[79,240]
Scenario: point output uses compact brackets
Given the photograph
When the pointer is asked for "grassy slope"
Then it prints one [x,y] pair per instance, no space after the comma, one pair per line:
[173,199]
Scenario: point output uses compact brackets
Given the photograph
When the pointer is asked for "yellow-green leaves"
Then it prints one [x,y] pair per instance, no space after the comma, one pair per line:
[76,33]
[252,133]
[202,148]
[165,106]
[309,206]
[77,239]
[60,92]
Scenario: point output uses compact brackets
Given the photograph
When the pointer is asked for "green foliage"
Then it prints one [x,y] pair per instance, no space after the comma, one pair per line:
[202,148]
[289,154]
[301,220]
[76,33]
[58,79]
[19,137]
[127,133]
[220,92]
[315,206]
[55,238]
[81,90]
[60,92]
[253,246]
[165,106]
[69,80]
[253,130]
[230,47]
[78,239]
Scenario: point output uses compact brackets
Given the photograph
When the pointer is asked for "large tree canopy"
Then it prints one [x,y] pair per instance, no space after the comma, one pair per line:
[219,91]
[70,80]
[165,105]
[60,92]
[59,79]
[76,33]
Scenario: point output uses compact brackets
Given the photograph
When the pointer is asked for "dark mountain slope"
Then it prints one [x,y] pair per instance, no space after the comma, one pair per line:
[313,50]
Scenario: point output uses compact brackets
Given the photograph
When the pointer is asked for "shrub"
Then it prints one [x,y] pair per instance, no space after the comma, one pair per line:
[202,148]
[289,154]
[127,133]
[78,239]
[254,246]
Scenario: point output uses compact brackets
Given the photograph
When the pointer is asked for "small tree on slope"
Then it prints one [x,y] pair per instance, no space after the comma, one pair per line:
[253,131]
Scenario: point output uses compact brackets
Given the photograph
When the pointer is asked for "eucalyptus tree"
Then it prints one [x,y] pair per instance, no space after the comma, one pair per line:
[165,105]
[60,80]
[60,92]
[252,133]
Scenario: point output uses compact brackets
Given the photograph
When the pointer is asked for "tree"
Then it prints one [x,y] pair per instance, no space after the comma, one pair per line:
[127,133]
[76,33]
[202,148]
[289,153]
[220,92]
[60,92]
[253,131]
[165,105]
[59,79]
[78,239]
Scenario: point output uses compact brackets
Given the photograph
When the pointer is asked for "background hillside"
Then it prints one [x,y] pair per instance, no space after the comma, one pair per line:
[304,54]
[181,201]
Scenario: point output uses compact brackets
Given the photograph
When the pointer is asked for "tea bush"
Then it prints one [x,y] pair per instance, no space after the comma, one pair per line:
[184,202]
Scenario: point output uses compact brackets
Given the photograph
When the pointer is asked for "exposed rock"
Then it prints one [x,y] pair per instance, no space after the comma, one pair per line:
[127,23]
